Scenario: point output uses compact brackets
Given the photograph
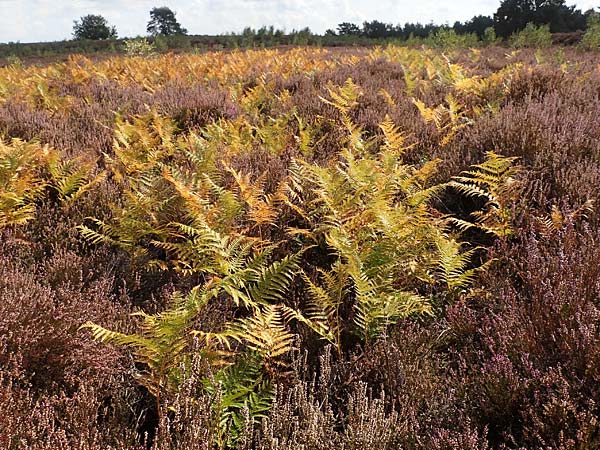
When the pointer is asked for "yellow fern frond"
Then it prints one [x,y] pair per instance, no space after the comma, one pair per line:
[345,97]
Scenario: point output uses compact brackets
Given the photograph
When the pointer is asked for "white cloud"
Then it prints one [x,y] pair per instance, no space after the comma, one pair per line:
[44,20]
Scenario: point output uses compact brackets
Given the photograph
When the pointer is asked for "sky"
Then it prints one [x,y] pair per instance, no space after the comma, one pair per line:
[51,20]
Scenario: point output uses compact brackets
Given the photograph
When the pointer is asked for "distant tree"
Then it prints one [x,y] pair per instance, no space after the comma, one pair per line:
[93,27]
[459,27]
[348,29]
[163,22]
[376,29]
[514,15]
[301,37]
[418,30]
[477,25]
[560,17]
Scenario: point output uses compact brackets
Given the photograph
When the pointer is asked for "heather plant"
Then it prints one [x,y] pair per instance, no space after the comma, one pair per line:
[528,366]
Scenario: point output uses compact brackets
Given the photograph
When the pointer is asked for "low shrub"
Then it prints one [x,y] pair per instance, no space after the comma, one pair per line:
[591,38]
[448,38]
[532,36]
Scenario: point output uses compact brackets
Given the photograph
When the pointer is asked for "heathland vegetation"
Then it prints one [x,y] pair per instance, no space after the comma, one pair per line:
[375,248]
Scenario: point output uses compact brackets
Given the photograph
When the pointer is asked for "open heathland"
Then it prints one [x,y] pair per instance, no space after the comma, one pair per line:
[382,248]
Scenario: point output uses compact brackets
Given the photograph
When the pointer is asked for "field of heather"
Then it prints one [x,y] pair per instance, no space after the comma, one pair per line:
[384,248]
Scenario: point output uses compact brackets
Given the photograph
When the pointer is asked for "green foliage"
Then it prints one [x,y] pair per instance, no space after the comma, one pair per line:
[71,179]
[161,343]
[532,36]
[591,38]
[243,395]
[514,15]
[244,390]
[453,269]
[93,27]
[489,36]
[448,38]
[349,29]
[165,349]
[161,43]
[301,37]
[164,345]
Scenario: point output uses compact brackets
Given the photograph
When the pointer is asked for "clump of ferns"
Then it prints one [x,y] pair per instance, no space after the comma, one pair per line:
[176,193]
[21,180]
[245,355]
[375,214]
[31,173]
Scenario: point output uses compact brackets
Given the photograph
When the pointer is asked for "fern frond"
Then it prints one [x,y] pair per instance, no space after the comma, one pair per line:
[496,181]
[271,282]
[240,390]
[21,180]
[265,332]
[453,264]
[394,139]
[344,97]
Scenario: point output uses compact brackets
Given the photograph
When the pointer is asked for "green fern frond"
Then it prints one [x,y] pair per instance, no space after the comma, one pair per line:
[271,282]
[453,264]
[71,179]
[242,391]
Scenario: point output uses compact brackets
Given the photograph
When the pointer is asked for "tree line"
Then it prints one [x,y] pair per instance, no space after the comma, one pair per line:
[511,17]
